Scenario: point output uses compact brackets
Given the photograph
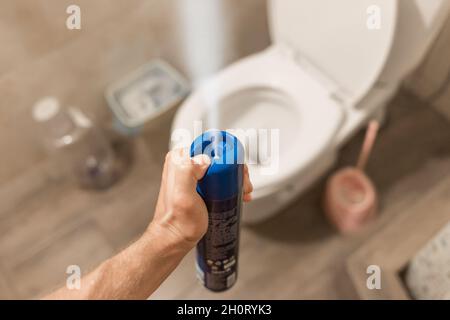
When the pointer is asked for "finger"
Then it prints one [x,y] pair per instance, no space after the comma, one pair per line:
[248,187]
[164,178]
[187,171]
[247,197]
[180,157]
[165,168]
[200,164]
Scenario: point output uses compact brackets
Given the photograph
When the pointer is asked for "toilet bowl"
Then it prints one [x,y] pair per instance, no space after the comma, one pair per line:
[325,75]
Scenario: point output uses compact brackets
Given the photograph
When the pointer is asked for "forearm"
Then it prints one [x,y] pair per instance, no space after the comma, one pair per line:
[136,272]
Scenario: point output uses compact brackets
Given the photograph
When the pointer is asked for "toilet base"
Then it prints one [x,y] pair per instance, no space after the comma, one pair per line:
[263,207]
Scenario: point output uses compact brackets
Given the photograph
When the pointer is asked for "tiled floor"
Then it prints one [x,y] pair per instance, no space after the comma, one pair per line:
[294,255]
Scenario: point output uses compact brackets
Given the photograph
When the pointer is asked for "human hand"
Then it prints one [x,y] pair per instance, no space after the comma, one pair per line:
[180,220]
[180,212]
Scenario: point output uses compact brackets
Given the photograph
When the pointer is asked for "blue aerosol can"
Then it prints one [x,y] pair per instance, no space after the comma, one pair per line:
[221,189]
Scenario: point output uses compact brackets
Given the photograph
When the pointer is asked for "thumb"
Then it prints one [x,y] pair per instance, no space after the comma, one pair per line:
[200,164]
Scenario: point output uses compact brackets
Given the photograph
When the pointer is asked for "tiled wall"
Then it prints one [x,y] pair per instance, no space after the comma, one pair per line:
[39,56]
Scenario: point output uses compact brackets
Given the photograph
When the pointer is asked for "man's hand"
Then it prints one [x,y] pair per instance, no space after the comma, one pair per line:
[180,211]
[179,222]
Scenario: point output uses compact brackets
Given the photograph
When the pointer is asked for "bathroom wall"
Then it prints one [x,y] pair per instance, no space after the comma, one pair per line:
[431,81]
[39,56]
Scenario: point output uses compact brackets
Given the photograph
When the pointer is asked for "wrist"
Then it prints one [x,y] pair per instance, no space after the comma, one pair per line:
[166,239]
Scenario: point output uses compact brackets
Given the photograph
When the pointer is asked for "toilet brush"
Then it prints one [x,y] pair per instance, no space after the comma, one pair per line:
[350,196]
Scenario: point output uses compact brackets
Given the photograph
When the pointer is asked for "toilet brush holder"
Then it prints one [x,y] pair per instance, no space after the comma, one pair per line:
[350,197]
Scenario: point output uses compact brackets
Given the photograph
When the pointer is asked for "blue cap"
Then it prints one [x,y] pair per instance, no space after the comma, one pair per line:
[224,177]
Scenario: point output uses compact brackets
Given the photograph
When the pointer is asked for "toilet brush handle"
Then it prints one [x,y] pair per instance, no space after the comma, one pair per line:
[369,140]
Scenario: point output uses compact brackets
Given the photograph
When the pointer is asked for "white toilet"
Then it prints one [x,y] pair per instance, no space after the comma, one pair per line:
[332,66]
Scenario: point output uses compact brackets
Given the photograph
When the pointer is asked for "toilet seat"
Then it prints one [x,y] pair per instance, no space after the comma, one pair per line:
[273,87]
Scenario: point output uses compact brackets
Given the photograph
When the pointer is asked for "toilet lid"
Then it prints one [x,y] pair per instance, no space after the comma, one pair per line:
[341,38]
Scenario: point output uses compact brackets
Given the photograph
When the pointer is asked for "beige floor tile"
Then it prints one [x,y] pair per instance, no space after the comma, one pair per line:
[35,275]
[130,210]
[34,229]
[6,290]
[41,26]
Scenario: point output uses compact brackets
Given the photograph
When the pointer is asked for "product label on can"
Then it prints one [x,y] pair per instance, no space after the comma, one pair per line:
[217,252]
